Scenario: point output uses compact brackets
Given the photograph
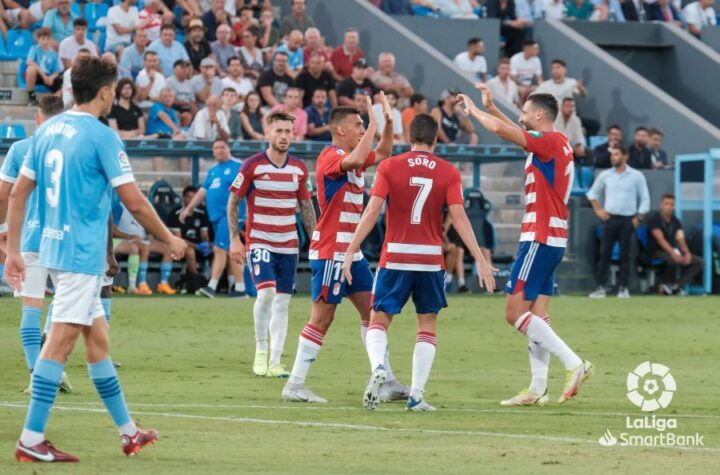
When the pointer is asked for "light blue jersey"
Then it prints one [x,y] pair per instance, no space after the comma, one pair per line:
[9,172]
[217,186]
[75,161]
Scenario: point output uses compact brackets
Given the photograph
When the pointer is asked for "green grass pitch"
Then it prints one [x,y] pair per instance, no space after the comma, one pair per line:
[187,372]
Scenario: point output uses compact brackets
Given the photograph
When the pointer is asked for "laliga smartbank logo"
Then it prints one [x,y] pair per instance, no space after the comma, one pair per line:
[650,387]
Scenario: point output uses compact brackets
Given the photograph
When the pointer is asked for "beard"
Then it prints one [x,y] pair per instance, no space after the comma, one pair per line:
[280,148]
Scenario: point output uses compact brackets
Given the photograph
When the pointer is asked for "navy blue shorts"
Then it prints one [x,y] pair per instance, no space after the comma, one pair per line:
[533,272]
[393,288]
[326,280]
[271,269]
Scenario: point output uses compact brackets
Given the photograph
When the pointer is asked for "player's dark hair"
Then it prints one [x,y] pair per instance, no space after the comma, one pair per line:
[560,62]
[656,131]
[89,75]
[278,116]
[547,103]
[416,99]
[50,105]
[189,189]
[474,40]
[667,196]
[614,126]
[622,149]
[641,129]
[340,113]
[423,130]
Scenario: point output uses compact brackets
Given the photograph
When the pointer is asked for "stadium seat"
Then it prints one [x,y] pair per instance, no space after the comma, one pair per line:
[596,140]
[93,12]
[12,131]
[644,239]
[163,198]
[423,11]
[75,8]
[18,44]
[102,38]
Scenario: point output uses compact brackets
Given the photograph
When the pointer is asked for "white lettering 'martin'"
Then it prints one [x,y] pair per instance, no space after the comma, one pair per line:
[61,128]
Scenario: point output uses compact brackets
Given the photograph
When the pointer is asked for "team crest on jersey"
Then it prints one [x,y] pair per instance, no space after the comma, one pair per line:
[238,181]
[257,269]
[227,171]
[535,133]
[295,178]
[336,288]
[124,161]
[340,151]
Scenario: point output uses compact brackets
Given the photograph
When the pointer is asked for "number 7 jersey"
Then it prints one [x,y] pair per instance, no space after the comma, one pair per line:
[416,187]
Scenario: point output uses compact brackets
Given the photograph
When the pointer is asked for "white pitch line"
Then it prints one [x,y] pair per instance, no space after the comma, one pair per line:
[305,407]
[361,427]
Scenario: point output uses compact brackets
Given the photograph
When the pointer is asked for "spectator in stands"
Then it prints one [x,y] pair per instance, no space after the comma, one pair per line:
[658,155]
[190,9]
[552,9]
[122,21]
[666,242]
[559,85]
[472,60]
[150,81]
[194,230]
[222,49]
[183,91]
[23,14]
[526,69]
[133,57]
[275,81]
[418,105]
[452,120]
[503,86]
[362,105]
[297,19]
[210,122]
[313,77]
[67,94]
[43,65]
[293,47]
[580,9]
[69,46]
[162,118]
[126,117]
[602,152]
[197,47]
[318,117]
[314,44]
[626,201]
[293,106]
[269,35]
[387,79]
[228,104]
[568,124]
[457,9]
[344,57]
[663,10]
[698,15]
[251,53]
[215,17]
[154,16]
[358,80]
[640,156]
[60,20]
[512,28]
[252,118]
[236,79]
[168,50]
[243,22]
[207,83]
[377,110]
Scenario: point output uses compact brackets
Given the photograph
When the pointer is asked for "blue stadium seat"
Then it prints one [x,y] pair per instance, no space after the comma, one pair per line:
[18,43]
[596,140]
[12,131]
[75,8]
[4,56]
[93,12]
[423,11]
[643,238]
[101,41]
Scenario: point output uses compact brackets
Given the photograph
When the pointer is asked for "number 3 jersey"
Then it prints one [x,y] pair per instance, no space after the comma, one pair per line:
[416,187]
[272,194]
[549,172]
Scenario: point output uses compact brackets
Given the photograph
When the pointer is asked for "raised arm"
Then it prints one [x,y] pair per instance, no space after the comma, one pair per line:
[497,126]
[366,224]
[385,145]
[489,104]
[357,158]
[464,229]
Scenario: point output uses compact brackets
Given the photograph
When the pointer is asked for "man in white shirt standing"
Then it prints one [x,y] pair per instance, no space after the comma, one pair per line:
[568,124]
[526,69]
[503,86]
[698,15]
[210,123]
[70,46]
[560,85]
[472,61]
[150,81]
[122,21]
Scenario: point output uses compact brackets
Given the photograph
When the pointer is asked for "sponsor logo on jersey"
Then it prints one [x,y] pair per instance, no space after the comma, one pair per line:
[265,177]
[227,171]
[124,161]
[336,288]
[238,181]
[257,269]
[535,133]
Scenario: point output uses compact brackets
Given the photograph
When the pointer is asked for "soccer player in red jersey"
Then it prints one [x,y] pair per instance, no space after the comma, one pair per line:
[416,186]
[340,190]
[274,184]
[549,171]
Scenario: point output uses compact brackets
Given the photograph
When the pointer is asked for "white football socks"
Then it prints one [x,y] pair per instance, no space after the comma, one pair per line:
[377,343]
[423,357]
[540,332]
[309,344]
[278,326]
[262,311]
[539,365]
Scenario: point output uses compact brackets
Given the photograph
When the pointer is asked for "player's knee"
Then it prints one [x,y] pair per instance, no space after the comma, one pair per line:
[265,296]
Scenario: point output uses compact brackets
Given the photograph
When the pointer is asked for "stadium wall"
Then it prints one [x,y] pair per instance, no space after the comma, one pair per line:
[711,37]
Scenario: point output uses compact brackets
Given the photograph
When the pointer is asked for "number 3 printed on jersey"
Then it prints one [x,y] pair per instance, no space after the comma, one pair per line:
[425,185]
[54,160]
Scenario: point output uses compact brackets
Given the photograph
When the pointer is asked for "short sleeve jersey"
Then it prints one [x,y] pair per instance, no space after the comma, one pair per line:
[549,173]
[272,195]
[416,187]
[9,173]
[217,186]
[75,161]
[340,196]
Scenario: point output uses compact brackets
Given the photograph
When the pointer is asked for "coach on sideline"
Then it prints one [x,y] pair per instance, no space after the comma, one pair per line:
[626,201]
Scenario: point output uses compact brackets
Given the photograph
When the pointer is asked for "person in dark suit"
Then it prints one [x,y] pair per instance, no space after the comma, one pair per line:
[659,156]
[640,157]
[512,28]
[663,10]
[601,153]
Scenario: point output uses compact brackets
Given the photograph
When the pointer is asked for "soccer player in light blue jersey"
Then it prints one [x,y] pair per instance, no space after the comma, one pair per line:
[33,292]
[74,162]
